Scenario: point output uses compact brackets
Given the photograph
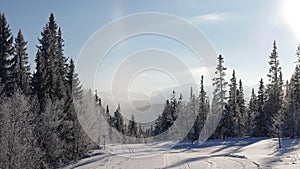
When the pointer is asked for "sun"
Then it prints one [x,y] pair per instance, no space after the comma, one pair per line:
[291,15]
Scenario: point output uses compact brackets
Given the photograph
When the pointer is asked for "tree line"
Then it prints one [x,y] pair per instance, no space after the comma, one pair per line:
[274,111]
[38,123]
[271,112]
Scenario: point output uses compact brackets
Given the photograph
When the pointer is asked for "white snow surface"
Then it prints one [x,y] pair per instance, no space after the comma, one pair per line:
[245,153]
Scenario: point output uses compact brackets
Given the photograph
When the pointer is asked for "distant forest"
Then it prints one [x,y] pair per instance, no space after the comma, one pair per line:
[39,127]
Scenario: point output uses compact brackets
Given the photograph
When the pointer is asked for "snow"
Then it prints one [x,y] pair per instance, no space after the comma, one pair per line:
[245,153]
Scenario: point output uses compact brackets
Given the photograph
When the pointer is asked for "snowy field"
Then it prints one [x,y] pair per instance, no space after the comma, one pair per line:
[213,154]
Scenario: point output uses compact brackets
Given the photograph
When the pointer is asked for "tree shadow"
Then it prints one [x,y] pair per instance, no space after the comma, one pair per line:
[187,160]
[92,160]
[236,142]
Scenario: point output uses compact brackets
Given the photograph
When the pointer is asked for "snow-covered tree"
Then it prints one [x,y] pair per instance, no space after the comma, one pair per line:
[18,141]
[295,97]
[219,96]
[203,109]
[273,105]
[132,127]
[118,121]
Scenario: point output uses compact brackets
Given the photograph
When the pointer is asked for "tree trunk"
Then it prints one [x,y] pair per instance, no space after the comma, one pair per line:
[279,141]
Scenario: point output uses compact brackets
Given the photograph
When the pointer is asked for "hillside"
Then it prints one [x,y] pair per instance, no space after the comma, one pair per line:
[224,154]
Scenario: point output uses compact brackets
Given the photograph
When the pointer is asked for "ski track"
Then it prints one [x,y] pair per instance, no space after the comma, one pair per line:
[210,164]
[238,162]
[259,154]
[185,164]
[166,162]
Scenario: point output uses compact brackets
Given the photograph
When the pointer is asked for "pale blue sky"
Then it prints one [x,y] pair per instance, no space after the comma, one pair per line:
[243,31]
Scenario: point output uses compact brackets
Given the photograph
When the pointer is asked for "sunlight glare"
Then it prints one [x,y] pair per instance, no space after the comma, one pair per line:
[291,15]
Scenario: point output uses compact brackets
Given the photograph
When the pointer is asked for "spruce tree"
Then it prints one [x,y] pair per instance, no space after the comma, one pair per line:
[295,84]
[288,127]
[132,127]
[53,80]
[6,51]
[167,118]
[251,113]
[74,82]
[51,49]
[203,109]
[295,94]
[273,106]
[242,110]
[219,96]
[232,114]
[39,81]
[118,120]
[72,130]
[173,105]
[20,66]
[260,119]
[61,67]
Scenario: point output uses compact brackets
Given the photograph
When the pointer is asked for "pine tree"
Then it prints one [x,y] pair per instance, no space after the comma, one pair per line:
[251,113]
[202,111]
[219,96]
[173,105]
[61,67]
[73,130]
[295,95]
[232,113]
[38,81]
[132,127]
[44,78]
[260,119]
[288,127]
[273,106]
[242,110]
[57,81]
[191,109]
[158,126]
[20,67]
[74,83]
[167,118]
[6,51]
[118,120]
[51,49]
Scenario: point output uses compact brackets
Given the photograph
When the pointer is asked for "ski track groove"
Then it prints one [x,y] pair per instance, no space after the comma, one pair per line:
[210,164]
[166,161]
[106,160]
[184,164]
[236,161]
[181,158]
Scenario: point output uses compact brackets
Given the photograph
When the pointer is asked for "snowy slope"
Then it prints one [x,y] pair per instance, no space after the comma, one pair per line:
[227,154]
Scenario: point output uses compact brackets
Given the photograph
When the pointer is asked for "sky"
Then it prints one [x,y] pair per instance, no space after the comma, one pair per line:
[242,31]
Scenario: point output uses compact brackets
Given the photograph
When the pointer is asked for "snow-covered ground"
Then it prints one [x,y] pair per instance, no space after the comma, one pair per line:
[227,154]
